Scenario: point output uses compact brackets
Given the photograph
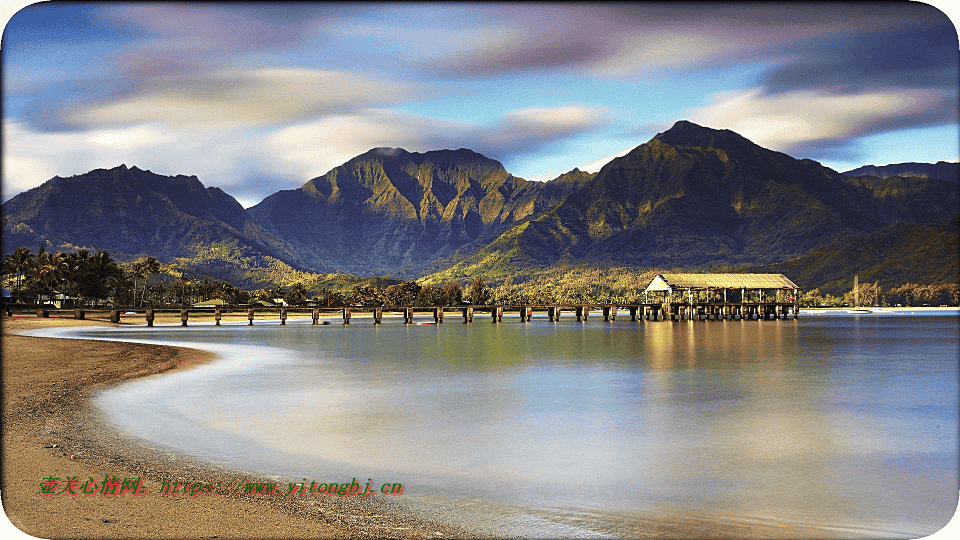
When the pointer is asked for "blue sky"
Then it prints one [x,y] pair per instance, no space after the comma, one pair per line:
[258,97]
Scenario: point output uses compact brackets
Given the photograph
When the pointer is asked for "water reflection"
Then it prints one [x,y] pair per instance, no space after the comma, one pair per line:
[839,422]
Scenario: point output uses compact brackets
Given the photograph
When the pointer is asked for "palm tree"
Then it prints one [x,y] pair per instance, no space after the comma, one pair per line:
[101,273]
[141,268]
[122,289]
[479,294]
[35,274]
[73,276]
[296,295]
[49,271]
[19,264]
[187,288]
[161,288]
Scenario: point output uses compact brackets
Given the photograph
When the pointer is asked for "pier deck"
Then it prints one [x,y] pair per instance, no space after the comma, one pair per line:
[674,311]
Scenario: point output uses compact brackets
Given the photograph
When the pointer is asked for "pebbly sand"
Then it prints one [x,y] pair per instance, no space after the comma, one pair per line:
[51,429]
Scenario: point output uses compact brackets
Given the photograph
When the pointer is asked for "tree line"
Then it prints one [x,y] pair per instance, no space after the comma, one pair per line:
[84,280]
[908,294]
[38,278]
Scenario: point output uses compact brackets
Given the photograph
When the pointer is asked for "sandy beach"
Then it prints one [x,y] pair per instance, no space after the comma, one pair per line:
[51,430]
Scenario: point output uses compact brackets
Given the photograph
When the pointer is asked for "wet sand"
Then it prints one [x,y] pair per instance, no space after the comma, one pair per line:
[51,429]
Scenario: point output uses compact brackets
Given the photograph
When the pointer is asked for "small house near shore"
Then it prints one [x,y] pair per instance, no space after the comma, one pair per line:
[214,302]
[721,288]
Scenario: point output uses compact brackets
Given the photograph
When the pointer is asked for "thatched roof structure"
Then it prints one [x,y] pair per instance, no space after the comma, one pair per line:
[667,282]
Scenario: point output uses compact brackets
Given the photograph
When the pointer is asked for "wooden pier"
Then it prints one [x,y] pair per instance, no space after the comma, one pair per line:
[556,313]
[677,297]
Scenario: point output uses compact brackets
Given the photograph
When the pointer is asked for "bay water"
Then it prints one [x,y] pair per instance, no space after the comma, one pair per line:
[832,421]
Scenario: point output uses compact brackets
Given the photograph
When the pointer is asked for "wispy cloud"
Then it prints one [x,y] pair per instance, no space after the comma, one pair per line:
[233,98]
[313,148]
[236,161]
[902,59]
[634,40]
[807,122]
[251,163]
[256,97]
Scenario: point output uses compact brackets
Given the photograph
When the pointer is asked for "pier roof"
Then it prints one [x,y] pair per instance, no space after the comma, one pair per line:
[663,282]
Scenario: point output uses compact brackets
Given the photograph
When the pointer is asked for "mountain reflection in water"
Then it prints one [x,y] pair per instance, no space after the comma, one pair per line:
[841,423]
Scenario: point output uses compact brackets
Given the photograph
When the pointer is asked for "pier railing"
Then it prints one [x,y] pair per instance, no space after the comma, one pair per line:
[674,311]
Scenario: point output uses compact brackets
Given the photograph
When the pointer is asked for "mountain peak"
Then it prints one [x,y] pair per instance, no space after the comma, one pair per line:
[686,133]
[123,168]
[386,151]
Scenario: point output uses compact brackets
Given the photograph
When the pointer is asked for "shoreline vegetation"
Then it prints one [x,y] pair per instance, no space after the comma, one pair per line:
[81,279]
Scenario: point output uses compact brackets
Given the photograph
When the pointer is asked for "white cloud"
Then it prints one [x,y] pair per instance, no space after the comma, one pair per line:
[314,148]
[664,52]
[232,160]
[31,158]
[796,119]
[597,165]
[230,99]
[251,164]
[130,138]
[21,174]
[568,118]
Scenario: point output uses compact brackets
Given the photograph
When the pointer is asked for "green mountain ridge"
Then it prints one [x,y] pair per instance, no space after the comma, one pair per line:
[941,170]
[390,209]
[127,211]
[692,197]
[695,197]
[892,256]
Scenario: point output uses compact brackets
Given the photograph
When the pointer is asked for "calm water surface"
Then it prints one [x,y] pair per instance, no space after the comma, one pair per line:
[837,421]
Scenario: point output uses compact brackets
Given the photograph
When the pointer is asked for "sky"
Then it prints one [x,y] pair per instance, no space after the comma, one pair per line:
[258,97]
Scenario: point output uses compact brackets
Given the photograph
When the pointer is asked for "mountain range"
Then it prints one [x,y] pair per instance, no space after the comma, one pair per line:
[692,197]
[941,170]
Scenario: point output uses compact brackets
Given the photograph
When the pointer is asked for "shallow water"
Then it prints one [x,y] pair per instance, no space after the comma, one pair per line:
[835,421]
